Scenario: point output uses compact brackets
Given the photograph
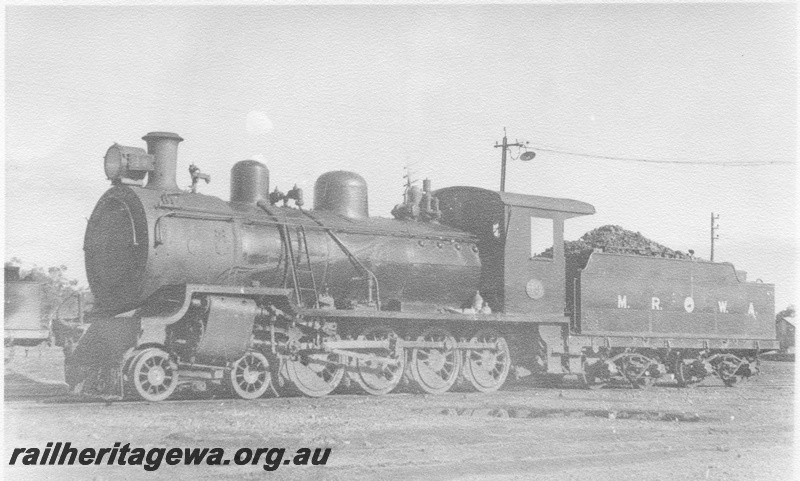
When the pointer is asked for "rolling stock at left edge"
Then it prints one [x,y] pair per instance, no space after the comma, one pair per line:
[24,319]
[455,292]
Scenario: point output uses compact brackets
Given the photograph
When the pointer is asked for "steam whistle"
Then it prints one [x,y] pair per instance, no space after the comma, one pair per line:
[409,209]
[194,172]
[429,210]
[418,204]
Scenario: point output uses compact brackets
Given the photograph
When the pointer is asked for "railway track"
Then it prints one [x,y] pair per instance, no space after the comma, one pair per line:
[706,432]
[45,401]
[36,382]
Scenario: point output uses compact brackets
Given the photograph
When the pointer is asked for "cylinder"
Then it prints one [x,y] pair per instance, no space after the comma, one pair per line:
[342,192]
[249,182]
[163,146]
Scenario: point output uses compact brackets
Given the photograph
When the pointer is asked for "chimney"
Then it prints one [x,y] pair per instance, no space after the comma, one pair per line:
[163,146]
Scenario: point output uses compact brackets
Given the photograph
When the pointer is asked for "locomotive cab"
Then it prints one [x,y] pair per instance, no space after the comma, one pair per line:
[521,240]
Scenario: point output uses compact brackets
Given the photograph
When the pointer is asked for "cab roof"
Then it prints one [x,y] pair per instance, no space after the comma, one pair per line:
[571,207]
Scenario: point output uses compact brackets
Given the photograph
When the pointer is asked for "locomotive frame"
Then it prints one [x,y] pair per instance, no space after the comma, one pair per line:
[257,296]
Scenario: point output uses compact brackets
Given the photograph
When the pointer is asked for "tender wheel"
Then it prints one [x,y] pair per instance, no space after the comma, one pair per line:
[644,382]
[589,378]
[314,375]
[688,371]
[487,369]
[154,375]
[591,382]
[250,376]
[435,370]
[726,369]
[376,377]
[635,369]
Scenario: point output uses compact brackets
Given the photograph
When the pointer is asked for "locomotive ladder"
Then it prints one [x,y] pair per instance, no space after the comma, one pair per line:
[293,271]
[373,291]
[302,277]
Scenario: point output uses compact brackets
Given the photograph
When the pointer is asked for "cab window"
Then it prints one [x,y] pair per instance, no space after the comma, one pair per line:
[541,238]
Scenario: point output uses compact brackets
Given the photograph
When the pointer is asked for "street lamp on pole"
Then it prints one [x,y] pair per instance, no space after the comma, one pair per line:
[714,235]
[527,155]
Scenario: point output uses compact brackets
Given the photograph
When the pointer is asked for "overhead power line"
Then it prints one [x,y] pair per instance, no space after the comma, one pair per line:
[116,98]
[657,161]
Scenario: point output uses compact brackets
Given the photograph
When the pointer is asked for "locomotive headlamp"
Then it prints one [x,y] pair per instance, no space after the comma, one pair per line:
[127,165]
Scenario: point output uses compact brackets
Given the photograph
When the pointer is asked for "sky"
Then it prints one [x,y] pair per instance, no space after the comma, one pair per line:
[378,89]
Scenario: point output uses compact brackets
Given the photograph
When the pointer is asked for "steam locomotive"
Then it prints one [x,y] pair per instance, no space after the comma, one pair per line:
[461,288]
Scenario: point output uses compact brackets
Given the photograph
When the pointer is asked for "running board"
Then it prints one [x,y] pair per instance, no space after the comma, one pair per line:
[399,343]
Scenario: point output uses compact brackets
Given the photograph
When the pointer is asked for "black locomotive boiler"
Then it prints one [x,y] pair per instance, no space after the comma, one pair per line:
[456,290]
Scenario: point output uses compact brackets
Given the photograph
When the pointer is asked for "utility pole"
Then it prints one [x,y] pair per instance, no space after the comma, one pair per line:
[505,145]
[714,235]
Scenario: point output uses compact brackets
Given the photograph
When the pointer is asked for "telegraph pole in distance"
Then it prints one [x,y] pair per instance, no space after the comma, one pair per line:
[714,235]
[505,145]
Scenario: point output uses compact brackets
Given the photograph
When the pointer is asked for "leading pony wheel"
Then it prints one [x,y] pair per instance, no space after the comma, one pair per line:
[250,376]
[154,375]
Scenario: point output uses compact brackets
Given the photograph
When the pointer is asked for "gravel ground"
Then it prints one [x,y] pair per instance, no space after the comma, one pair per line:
[522,432]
